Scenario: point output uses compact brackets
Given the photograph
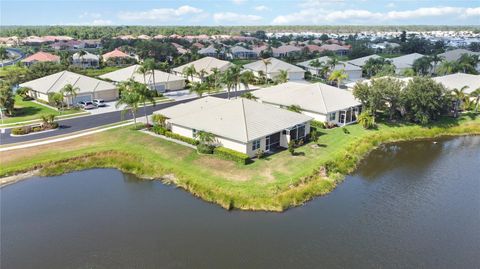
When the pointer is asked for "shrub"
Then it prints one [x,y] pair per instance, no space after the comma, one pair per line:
[260,153]
[185,139]
[367,120]
[317,124]
[159,120]
[205,149]
[19,131]
[37,129]
[232,155]
[159,129]
[314,135]
[291,147]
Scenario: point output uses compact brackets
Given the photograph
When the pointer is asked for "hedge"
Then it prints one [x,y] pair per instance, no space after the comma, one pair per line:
[185,139]
[232,155]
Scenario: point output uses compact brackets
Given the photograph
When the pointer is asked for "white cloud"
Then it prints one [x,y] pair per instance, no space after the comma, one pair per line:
[239,2]
[358,16]
[319,3]
[261,8]
[235,18]
[159,14]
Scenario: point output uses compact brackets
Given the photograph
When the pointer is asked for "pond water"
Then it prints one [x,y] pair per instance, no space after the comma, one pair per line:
[409,205]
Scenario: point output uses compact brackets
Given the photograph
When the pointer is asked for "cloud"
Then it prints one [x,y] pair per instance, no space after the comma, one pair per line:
[261,8]
[319,3]
[235,18]
[159,14]
[239,2]
[361,16]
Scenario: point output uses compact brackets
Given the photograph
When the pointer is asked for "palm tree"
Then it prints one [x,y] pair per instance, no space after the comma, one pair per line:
[70,90]
[423,65]
[202,73]
[332,62]
[205,138]
[317,65]
[215,74]
[249,96]
[282,76]
[338,76]
[146,95]
[266,62]
[232,78]
[447,67]
[3,53]
[150,65]
[435,60]
[189,71]
[459,96]
[130,98]
[246,78]
[198,88]
[476,94]
[142,70]
[81,54]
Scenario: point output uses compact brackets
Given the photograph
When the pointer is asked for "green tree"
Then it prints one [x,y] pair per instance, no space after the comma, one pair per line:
[294,108]
[69,91]
[189,71]
[447,67]
[249,96]
[375,65]
[423,66]
[23,92]
[266,63]
[130,99]
[435,58]
[142,70]
[150,65]
[338,76]
[366,119]
[282,76]
[3,53]
[146,95]
[246,78]
[199,88]
[370,97]
[7,99]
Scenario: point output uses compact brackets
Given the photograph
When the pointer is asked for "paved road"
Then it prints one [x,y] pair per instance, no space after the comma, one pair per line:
[18,52]
[82,123]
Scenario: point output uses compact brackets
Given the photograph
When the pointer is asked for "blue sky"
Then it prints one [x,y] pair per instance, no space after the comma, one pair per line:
[239,12]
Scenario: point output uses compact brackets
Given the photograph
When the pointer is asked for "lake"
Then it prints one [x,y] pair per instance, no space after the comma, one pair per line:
[409,205]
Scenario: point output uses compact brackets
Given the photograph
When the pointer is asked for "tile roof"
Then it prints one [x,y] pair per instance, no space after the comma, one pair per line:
[207,64]
[42,57]
[275,66]
[459,80]
[116,53]
[130,72]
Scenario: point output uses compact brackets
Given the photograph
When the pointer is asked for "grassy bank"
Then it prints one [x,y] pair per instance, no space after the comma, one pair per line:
[274,183]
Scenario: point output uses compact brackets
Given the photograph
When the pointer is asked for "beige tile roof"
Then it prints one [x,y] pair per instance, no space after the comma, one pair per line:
[130,72]
[191,107]
[343,65]
[459,80]
[239,119]
[55,83]
[275,66]
[207,64]
[318,97]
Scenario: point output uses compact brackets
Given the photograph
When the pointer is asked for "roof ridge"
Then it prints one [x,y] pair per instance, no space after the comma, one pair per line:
[61,75]
[323,98]
[244,119]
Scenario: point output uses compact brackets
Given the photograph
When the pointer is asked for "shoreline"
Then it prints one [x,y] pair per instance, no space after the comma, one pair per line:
[9,180]
[276,194]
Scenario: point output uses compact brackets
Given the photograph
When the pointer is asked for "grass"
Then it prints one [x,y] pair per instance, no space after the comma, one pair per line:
[274,183]
[28,110]
[242,62]
[91,72]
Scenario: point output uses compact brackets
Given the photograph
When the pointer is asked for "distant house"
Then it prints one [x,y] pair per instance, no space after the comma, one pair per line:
[238,52]
[117,57]
[180,48]
[41,57]
[206,64]
[314,48]
[337,49]
[272,70]
[239,124]
[460,80]
[68,45]
[320,101]
[163,81]
[385,46]
[353,72]
[198,45]
[260,49]
[211,51]
[88,88]
[360,62]
[92,43]
[285,50]
[88,60]
[405,62]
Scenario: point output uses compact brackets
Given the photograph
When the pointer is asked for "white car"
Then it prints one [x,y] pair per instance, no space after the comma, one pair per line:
[99,102]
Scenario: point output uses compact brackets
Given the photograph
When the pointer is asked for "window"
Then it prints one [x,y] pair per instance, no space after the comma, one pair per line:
[342,116]
[256,144]
[332,116]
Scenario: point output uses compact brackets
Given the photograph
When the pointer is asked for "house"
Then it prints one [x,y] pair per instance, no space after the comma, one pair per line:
[239,124]
[88,60]
[337,49]
[460,80]
[211,51]
[285,50]
[454,55]
[360,62]
[320,101]
[206,64]
[385,46]
[314,48]
[68,45]
[238,52]
[163,81]
[272,70]
[117,57]
[88,88]
[405,62]
[353,72]
[41,57]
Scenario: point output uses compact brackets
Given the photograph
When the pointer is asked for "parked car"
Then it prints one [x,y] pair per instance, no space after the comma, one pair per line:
[99,102]
[86,105]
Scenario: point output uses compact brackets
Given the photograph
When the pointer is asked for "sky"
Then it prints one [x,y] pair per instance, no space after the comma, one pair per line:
[239,12]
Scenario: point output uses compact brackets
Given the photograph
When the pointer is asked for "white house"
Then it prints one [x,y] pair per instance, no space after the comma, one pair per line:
[353,72]
[238,52]
[88,60]
[319,101]
[239,124]
[405,62]
[163,81]
[454,55]
[460,80]
[272,69]
[88,88]
[206,64]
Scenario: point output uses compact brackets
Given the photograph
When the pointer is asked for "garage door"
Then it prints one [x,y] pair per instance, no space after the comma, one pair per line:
[160,87]
[80,98]
[108,95]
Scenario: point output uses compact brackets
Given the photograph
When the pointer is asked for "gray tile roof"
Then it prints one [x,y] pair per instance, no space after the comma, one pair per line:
[130,72]
[343,65]
[459,80]
[207,64]
[275,66]
[361,61]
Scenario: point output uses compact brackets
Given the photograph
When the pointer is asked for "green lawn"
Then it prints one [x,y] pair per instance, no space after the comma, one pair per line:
[274,183]
[28,110]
